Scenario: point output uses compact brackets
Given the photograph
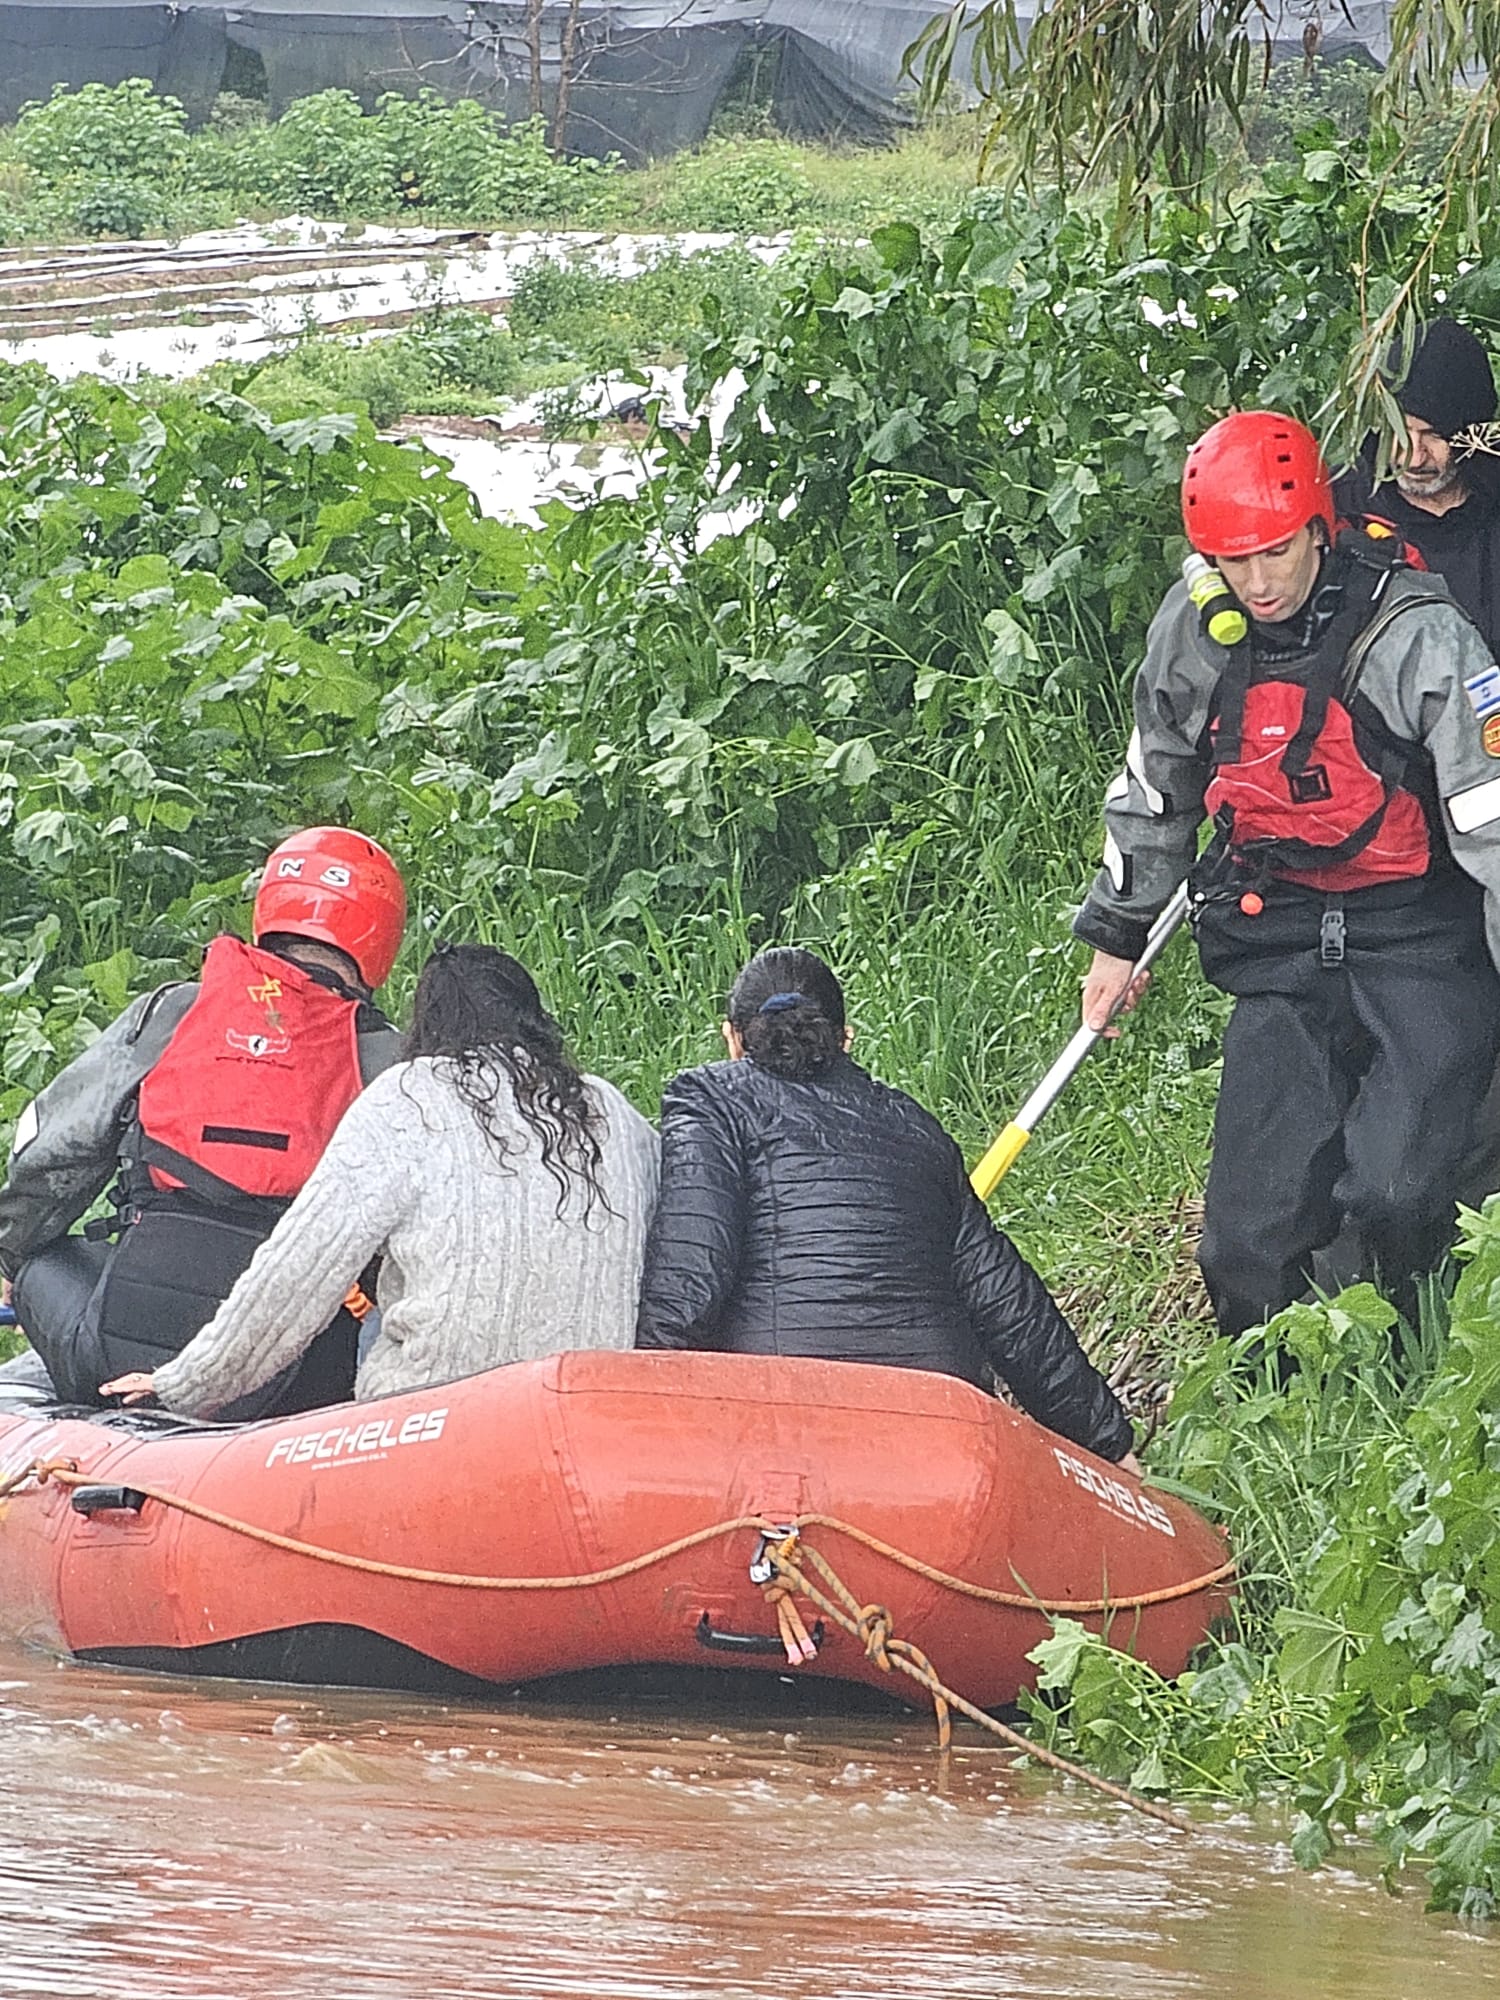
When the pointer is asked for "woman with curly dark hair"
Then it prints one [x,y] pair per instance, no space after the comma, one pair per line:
[505,1193]
[807,1209]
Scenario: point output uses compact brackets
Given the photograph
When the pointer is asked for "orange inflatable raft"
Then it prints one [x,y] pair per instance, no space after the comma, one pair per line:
[592,1510]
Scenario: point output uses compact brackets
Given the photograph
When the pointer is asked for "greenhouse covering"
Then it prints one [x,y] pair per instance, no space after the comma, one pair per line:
[644,76]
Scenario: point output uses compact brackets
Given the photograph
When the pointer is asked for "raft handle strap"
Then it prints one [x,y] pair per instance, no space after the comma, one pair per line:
[108,1500]
[714,1641]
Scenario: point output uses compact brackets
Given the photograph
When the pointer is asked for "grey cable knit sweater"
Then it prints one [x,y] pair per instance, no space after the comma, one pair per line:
[478,1267]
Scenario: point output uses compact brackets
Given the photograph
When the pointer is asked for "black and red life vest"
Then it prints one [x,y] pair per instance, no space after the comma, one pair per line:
[1308,783]
[246,1094]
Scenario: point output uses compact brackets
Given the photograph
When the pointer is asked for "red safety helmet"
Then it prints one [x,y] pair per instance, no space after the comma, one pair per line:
[1251,482]
[339,887]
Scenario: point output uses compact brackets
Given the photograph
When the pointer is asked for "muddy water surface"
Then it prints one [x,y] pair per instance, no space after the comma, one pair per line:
[166,1840]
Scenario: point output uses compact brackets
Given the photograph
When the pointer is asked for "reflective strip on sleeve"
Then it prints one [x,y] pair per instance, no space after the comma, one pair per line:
[1135,764]
[26,1126]
[1477,807]
[1114,861]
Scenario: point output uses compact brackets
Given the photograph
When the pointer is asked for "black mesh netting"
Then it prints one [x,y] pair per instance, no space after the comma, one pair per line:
[645,75]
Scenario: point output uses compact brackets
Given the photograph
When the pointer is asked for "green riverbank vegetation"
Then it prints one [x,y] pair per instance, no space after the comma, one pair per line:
[874,713]
[1356,1467]
[119,160]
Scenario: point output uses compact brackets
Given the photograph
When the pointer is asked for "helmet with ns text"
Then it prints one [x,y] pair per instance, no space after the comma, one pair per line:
[340,888]
[1251,481]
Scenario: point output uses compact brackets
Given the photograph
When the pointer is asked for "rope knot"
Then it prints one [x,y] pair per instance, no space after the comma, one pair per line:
[875,1633]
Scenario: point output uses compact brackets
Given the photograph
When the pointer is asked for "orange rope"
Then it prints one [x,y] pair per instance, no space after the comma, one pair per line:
[41,1470]
[871,1624]
[1138,1602]
[66,1473]
[402,1572]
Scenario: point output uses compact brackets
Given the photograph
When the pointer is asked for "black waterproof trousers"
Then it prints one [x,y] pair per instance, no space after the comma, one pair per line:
[1364,1033]
[93,1311]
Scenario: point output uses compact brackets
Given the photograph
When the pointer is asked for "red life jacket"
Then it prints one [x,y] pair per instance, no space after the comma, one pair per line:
[249,1089]
[1308,784]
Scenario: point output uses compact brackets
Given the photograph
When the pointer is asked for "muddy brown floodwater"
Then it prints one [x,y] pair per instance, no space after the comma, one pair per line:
[173,1840]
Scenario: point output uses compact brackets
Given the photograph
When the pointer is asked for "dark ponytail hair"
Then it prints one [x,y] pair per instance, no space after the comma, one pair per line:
[478,1013]
[788,1010]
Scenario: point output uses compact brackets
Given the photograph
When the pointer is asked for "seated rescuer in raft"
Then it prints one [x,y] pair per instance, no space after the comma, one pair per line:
[208,1103]
[807,1209]
[506,1194]
[1333,711]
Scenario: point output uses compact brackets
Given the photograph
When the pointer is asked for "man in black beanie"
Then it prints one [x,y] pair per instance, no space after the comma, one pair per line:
[1444,499]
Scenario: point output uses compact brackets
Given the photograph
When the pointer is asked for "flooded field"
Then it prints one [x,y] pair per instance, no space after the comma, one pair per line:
[121,310]
[170,309]
[165,1840]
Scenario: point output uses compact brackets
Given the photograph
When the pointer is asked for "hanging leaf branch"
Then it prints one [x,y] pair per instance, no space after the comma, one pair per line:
[1125,94]
[1100,90]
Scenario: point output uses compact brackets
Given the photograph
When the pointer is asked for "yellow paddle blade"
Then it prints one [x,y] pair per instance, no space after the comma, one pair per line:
[998,1161]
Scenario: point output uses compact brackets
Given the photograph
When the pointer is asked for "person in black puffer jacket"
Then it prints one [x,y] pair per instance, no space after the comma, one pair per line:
[807,1209]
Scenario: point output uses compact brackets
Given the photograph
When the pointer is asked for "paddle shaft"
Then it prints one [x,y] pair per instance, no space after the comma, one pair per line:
[1006,1150]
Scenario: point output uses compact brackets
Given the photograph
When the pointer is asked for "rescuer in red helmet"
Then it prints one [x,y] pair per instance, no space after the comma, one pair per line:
[1337,717]
[207,1103]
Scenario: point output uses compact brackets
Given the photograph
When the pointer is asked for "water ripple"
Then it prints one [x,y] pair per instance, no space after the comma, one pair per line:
[194,1841]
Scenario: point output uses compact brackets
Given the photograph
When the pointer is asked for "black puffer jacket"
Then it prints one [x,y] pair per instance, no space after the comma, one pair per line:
[834,1218]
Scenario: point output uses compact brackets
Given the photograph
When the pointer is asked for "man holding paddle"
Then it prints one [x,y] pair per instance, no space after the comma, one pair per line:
[1337,717]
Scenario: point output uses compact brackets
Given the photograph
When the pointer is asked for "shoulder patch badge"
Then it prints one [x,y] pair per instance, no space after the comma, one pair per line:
[1490,736]
[1483,690]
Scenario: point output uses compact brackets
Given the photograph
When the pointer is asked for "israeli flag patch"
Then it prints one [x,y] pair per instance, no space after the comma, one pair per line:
[1483,690]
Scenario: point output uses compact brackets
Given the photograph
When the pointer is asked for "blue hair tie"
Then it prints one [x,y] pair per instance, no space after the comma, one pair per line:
[779,1002]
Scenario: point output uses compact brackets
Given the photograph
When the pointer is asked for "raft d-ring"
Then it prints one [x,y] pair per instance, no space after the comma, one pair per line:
[773,1542]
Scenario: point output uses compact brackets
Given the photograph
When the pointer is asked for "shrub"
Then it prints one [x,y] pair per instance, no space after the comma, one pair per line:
[323,375]
[1295,99]
[328,156]
[465,349]
[123,131]
[110,205]
[325,157]
[238,166]
[447,362]
[606,321]
[526,181]
[437,154]
[737,184]
[21,378]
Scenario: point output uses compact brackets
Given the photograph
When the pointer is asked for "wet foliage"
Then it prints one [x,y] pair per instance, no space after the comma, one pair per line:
[1357,1467]
[118,160]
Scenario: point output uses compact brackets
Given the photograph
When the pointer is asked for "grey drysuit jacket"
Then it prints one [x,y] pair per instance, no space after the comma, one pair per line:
[1423,667]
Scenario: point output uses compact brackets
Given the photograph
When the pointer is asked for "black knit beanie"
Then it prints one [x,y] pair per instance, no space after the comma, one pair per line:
[1450,384]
